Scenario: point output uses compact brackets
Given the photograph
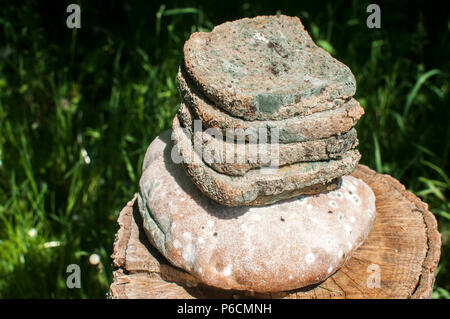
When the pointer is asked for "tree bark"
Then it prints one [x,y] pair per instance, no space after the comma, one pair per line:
[398,259]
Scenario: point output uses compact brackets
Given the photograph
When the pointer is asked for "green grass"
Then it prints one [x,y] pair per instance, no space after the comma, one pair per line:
[79,107]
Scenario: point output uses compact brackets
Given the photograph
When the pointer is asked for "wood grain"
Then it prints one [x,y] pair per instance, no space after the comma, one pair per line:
[403,246]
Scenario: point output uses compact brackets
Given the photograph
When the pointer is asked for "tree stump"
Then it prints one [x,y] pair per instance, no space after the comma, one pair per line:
[402,251]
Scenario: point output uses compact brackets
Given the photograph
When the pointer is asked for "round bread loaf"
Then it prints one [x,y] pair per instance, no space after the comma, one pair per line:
[287,245]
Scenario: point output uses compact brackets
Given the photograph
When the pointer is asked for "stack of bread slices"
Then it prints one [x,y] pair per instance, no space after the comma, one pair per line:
[254,191]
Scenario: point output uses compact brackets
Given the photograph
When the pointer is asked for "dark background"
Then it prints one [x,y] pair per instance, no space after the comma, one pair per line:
[79,107]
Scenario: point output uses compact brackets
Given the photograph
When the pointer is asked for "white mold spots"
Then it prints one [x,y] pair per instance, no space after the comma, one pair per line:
[356,199]
[210,223]
[200,270]
[329,246]
[260,37]
[352,219]
[340,254]
[309,207]
[349,245]
[176,244]
[187,235]
[290,277]
[344,183]
[200,240]
[310,258]
[348,230]
[352,188]
[189,253]
[330,269]
[227,271]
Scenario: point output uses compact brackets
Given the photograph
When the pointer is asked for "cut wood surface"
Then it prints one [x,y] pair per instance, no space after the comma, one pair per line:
[402,251]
